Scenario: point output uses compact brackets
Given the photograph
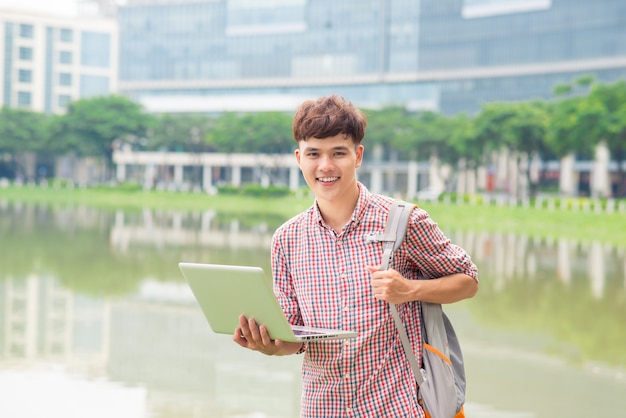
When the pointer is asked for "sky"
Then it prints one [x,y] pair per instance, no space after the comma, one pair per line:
[60,7]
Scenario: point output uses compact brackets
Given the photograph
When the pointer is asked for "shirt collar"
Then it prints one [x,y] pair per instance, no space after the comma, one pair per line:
[357,214]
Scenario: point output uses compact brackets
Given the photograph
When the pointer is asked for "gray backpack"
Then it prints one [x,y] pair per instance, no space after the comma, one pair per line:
[441,377]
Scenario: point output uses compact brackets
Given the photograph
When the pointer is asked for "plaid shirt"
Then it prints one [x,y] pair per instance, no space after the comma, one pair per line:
[320,280]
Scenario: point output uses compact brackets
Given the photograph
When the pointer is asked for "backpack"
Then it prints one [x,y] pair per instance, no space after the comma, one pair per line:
[441,378]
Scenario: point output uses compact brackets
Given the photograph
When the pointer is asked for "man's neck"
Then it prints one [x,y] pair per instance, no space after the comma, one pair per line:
[337,213]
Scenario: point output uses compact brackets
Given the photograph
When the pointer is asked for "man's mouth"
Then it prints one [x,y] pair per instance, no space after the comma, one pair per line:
[327,179]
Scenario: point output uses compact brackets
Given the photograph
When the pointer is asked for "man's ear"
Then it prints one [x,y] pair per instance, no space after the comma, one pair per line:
[359,155]
[297,154]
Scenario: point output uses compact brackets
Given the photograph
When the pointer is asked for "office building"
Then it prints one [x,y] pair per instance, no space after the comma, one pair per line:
[446,55]
[48,61]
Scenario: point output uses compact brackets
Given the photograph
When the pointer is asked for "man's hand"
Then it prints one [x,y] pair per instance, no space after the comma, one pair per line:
[390,286]
[254,337]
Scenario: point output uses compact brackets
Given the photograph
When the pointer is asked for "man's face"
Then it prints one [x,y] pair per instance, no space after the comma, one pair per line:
[329,166]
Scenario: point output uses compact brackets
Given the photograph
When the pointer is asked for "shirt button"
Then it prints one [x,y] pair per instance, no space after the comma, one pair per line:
[347,376]
[339,242]
[346,308]
[344,276]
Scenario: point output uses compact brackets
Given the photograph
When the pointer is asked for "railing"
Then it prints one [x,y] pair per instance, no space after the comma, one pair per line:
[554,203]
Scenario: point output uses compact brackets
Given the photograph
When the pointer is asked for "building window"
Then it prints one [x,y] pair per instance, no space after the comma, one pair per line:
[93,85]
[65,79]
[64,99]
[23,98]
[65,57]
[26,31]
[95,49]
[26,53]
[25,76]
[66,35]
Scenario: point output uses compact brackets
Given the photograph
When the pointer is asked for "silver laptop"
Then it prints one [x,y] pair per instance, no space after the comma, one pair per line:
[225,292]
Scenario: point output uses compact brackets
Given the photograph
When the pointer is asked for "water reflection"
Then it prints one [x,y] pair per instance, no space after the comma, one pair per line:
[91,302]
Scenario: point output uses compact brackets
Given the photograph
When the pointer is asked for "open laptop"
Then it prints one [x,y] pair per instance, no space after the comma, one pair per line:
[224,292]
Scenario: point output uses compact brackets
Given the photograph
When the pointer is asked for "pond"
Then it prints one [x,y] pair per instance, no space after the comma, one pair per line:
[97,321]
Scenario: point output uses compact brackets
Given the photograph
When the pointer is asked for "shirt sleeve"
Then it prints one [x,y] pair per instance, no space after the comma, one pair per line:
[432,252]
[283,283]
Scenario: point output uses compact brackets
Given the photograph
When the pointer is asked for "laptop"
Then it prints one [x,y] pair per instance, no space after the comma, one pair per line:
[224,292]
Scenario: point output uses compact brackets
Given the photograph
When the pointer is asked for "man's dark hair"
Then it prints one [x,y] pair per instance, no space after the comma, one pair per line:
[328,116]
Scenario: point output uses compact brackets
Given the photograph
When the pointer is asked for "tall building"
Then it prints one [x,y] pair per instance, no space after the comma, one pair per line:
[445,55]
[48,60]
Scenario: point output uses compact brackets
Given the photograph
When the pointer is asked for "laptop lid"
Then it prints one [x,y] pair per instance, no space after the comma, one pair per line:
[224,292]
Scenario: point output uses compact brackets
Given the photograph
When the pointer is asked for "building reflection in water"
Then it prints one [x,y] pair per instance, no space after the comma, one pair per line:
[152,345]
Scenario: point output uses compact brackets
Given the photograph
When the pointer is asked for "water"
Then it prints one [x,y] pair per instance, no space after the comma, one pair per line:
[96,321]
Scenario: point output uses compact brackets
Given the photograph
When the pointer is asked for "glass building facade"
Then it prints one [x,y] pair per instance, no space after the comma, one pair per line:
[446,55]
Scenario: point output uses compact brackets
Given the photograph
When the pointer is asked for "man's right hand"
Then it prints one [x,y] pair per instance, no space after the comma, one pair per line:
[254,337]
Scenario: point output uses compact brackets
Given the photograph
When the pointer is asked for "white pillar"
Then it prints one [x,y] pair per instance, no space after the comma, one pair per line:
[600,183]
[470,181]
[148,176]
[513,176]
[178,174]
[567,185]
[294,178]
[461,180]
[236,175]
[376,180]
[207,178]
[434,177]
[501,171]
[121,173]
[481,178]
[411,186]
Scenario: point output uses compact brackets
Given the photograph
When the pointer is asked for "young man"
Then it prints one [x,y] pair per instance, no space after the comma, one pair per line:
[327,275]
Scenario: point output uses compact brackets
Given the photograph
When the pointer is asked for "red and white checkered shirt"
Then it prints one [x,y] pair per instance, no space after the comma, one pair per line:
[320,280]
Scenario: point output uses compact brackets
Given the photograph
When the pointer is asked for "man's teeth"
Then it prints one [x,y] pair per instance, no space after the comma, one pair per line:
[327,179]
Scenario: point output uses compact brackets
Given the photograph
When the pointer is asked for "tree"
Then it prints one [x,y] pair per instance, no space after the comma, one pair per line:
[91,126]
[434,135]
[21,131]
[526,135]
[610,100]
[180,132]
[268,132]
[392,129]
[520,128]
[573,119]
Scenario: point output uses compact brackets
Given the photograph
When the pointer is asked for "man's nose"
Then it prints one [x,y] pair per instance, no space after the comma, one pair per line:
[326,163]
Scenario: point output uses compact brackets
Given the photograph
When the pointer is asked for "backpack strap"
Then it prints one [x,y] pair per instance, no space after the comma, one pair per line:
[395,230]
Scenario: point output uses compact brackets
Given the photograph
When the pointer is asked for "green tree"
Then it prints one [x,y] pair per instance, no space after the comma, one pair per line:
[566,133]
[434,135]
[180,132]
[610,127]
[91,126]
[21,132]
[520,128]
[526,135]
[392,130]
[573,119]
[268,132]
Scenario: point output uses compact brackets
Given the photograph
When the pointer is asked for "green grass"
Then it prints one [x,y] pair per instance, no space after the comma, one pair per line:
[609,228]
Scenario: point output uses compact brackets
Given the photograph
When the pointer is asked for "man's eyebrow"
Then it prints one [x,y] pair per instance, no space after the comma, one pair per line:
[337,148]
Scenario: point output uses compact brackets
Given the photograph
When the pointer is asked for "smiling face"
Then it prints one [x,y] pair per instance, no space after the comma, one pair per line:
[329,168]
